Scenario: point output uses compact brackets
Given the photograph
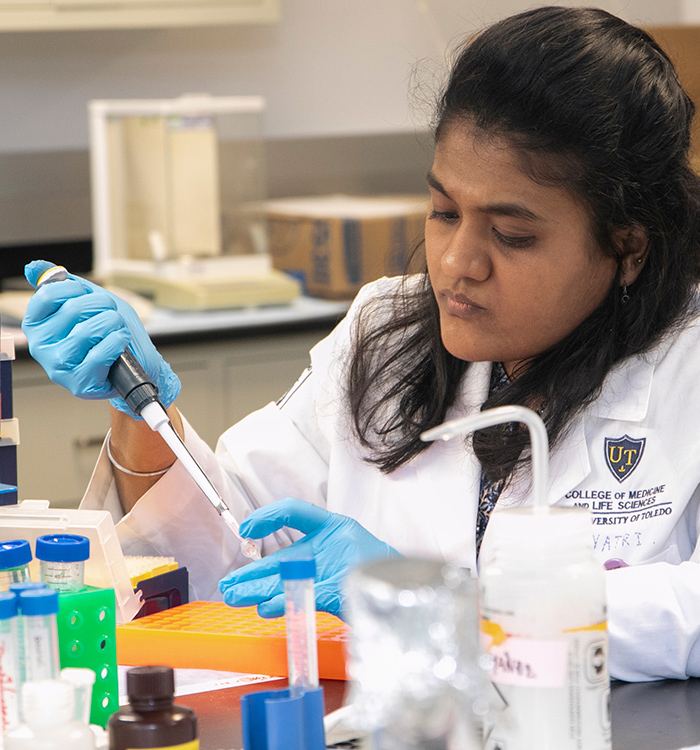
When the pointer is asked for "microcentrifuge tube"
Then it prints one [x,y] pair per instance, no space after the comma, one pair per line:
[248,547]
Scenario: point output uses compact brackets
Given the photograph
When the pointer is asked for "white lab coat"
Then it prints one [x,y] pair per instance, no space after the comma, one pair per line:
[303,447]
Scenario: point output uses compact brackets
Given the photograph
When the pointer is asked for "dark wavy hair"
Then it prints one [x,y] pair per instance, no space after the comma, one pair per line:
[593,105]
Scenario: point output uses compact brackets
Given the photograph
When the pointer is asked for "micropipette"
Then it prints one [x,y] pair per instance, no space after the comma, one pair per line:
[141,395]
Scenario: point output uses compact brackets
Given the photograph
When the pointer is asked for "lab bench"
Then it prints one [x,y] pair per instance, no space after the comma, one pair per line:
[659,715]
[230,363]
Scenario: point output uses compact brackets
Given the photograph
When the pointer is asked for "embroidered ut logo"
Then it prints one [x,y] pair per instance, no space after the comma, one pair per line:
[622,455]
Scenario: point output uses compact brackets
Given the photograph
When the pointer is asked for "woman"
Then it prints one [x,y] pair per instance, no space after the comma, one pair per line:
[563,246]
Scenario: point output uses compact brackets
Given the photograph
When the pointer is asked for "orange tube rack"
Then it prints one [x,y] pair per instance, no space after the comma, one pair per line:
[212,635]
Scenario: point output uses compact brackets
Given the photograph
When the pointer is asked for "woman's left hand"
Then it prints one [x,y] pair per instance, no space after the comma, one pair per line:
[337,544]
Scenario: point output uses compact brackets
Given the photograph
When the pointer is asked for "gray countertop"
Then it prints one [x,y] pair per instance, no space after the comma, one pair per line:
[662,715]
[165,325]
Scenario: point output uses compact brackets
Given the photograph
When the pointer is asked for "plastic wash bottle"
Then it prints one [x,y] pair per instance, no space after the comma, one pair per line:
[151,720]
[47,710]
[543,625]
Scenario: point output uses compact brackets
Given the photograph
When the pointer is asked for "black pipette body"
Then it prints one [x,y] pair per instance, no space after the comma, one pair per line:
[131,382]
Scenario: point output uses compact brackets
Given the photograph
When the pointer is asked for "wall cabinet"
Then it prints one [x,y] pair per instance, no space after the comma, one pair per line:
[48,15]
[222,381]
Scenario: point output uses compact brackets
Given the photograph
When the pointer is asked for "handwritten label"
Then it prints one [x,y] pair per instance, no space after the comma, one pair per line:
[526,662]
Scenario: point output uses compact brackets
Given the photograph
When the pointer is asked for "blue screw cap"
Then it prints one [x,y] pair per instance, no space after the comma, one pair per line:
[19,587]
[291,570]
[15,553]
[62,548]
[276,720]
[8,605]
[39,602]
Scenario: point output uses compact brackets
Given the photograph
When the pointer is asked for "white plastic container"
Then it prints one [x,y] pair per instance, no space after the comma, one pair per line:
[47,708]
[106,567]
[543,623]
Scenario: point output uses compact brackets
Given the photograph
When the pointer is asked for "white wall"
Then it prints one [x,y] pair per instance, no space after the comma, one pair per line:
[330,67]
[347,83]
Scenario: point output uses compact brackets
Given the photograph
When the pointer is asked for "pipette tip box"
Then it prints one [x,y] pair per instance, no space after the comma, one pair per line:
[8,494]
[212,635]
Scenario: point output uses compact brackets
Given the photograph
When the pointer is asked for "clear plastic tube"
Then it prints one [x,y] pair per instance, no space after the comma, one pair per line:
[15,556]
[9,662]
[40,634]
[13,575]
[300,612]
[62,576]
[62,560]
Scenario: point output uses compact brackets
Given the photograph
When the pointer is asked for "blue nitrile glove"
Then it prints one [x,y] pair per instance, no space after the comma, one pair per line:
[76,330]
[336,542]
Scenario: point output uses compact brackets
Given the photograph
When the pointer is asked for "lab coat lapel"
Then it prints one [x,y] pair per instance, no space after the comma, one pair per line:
[570,463]
[455,530]
[624,397]
[568,467]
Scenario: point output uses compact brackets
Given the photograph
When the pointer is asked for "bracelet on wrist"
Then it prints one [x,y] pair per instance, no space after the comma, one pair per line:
[130,472]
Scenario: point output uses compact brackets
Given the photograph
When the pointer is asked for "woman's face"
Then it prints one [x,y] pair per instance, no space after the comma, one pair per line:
[512,263]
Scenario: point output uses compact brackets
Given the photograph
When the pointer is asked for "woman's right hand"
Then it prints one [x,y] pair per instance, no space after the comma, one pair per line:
[76,330]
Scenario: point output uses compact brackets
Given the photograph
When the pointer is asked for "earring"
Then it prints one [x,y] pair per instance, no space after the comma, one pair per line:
[625,297]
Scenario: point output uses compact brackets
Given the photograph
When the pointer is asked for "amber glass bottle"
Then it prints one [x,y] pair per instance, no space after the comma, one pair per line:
[151,720]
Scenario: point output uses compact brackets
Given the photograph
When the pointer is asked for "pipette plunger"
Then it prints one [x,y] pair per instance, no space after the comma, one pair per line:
[134,386]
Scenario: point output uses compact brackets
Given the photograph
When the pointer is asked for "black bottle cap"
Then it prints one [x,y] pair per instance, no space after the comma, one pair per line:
[150,683]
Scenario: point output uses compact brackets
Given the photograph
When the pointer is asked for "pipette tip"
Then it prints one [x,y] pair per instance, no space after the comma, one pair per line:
[248,547]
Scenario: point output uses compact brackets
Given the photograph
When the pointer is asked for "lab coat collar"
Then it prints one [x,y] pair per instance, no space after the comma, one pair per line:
[627,389]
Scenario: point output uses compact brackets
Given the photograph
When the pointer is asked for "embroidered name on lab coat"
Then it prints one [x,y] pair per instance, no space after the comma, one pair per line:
[622,455]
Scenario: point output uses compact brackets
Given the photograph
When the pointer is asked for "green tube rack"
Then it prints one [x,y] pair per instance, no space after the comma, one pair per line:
[87,638]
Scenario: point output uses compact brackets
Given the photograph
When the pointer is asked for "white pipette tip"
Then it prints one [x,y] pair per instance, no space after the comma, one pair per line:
[157,419]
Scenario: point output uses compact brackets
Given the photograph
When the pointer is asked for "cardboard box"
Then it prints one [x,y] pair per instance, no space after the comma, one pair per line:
[682,45]
[336,243]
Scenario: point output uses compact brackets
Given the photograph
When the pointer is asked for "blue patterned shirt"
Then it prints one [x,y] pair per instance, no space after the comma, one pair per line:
[489,491]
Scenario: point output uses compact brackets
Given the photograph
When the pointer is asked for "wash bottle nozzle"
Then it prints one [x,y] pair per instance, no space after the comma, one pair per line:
[501,414]
[141,395]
